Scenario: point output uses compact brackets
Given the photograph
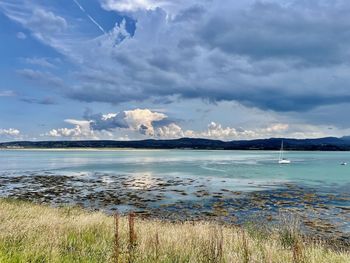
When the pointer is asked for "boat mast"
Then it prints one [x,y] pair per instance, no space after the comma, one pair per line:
[281,151]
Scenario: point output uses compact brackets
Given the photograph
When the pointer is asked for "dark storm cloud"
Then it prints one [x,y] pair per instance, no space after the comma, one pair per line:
[282,102]
[277,98]
[316,34]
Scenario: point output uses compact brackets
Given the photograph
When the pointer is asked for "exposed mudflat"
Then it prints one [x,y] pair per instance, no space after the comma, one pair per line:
[180,198]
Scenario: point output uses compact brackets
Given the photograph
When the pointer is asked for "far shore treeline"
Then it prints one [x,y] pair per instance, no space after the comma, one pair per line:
[320,144]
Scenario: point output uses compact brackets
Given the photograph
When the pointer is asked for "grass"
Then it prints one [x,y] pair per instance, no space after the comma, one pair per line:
[36,233]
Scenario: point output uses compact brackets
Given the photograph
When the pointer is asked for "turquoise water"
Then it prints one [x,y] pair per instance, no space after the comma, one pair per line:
[242,170]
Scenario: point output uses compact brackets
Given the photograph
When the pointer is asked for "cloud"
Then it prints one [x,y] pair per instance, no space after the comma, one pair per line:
[139,120]
[136,124]
[215,130]
[106,122]
[44,78]
[139,124]
[43,101]
[271,64]
[81,130]
[283,56]
[21,35]
[298,130]
[307,34]
[171,131]
[42,62]
[46,21]
[143,119]
[44,25]
[9,132]
[133,5]
[145,123]
[7,93]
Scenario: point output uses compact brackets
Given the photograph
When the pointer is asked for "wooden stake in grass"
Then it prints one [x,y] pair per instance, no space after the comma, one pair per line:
[116,237]
[132,236]
[297,251]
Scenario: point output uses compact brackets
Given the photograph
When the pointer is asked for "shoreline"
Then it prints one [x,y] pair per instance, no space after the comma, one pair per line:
[312,144]
[80,149]
[181,199]
[88,149]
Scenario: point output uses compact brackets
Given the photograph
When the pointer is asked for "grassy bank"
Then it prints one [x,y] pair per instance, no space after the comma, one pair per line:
[33,233]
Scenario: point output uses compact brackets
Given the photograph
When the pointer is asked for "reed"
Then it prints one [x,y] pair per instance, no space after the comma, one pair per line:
[246,253]
[215,245]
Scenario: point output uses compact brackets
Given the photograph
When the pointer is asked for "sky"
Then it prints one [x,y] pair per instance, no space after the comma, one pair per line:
[163,69]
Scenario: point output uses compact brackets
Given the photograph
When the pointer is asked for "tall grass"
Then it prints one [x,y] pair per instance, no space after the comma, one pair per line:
[34,233]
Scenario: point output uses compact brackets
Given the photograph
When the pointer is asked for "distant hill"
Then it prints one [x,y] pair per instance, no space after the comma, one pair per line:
[321,144]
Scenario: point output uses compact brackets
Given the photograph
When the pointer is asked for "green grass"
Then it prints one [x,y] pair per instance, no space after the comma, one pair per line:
[34,233]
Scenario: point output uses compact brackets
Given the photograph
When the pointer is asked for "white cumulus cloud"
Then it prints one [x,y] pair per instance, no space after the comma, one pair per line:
[135,5]
[143,119]
[81,130]
[170,131]
[217,131]
[10,132]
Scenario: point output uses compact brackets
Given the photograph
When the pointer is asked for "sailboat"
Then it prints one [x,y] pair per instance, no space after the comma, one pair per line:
[281,159]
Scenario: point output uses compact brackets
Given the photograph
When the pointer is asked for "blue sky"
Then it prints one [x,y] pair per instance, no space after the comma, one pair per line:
[136,69]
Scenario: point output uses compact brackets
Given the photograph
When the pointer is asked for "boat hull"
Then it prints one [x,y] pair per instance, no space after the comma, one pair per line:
[284,162]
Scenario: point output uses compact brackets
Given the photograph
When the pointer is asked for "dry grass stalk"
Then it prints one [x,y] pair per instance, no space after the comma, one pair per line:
[157,246]
[246,253]
[116,237]
[216,243]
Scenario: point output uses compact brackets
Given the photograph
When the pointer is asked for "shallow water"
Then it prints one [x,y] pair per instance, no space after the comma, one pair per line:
[218,184]
[246,169]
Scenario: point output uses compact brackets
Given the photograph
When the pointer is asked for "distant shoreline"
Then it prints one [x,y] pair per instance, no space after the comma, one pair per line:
[151,150]
[273,144]
[81,149]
